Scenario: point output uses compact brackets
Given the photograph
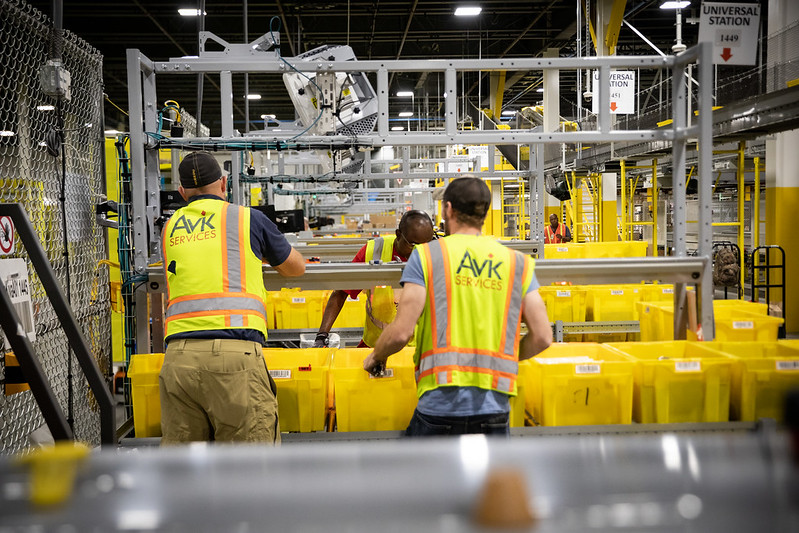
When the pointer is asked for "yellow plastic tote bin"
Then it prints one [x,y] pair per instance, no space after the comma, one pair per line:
[762,375]
[299,309]
[352,314]
[143,374]
[571,250]
[679,381]
[366,403]
[656,320]
[735,324]
[301,376]
[565,303]
[573,384]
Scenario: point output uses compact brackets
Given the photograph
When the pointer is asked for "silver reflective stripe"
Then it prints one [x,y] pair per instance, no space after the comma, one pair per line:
[233,252]
[515,305]
[377,253]
[221,305]
[439,293]
[442,378]
[468,359]
[503,384]
[236,321]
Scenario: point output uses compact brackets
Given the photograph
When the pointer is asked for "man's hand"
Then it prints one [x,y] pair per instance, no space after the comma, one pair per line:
[322,340]
[373,365]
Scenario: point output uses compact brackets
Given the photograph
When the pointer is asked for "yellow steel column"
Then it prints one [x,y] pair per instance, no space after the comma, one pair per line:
[623,200]
[740,175]
[654,207]
[756,207]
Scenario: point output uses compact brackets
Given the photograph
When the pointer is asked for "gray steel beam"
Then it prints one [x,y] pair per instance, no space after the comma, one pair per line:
[706,189]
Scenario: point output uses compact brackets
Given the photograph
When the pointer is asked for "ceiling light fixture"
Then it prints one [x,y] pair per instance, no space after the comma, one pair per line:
[268,116]
[6,133]
[189,12]
[468,11]
[253,96]
[404,94]
[112,132]
[406,114]
[509,112]
[675,4]
[397,128]
[539,90]
[45,107]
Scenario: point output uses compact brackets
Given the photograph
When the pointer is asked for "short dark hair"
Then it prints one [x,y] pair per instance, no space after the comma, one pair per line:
[470,198]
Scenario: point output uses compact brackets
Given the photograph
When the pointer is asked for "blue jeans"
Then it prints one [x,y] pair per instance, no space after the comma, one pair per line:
[423,425]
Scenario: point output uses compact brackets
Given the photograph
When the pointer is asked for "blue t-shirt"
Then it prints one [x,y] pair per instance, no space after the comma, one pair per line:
[456,401]
[267,243]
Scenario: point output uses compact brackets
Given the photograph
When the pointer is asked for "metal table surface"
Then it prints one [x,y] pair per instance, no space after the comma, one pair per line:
[704,482]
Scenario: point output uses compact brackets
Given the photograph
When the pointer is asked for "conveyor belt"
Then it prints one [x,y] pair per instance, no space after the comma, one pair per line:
[715,482]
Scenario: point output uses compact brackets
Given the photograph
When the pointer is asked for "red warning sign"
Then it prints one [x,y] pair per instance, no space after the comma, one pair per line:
[6,235]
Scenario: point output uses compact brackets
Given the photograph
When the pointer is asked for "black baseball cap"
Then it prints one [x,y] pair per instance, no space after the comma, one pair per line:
[469,195]
[198,169]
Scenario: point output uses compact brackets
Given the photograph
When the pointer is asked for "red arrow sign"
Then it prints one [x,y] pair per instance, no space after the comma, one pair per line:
[726,54]
[613,106]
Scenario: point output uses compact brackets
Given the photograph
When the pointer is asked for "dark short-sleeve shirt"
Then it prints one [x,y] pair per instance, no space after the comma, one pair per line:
[267,243]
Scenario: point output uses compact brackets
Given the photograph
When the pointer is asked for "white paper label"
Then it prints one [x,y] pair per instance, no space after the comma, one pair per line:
[563,248]
[564,294]
[387,373]
[687,366]
[586,369]
[298,299]
[14,275]
[616,292]
[787,365]
[743,324]
[280,374]
[668,291]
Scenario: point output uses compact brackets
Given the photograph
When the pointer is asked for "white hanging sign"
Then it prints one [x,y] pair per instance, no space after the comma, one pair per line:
[733,29]
[622,92]
[14,276]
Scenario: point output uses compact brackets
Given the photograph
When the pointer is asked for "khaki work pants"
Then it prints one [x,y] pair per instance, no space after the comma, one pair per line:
[217,389]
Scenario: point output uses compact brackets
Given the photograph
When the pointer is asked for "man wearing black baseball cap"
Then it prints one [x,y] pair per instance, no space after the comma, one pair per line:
[469,295]
[214,383]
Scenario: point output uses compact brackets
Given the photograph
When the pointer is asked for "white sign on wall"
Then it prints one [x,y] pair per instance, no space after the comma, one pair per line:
[459,163]
[622,92]
[14,276]
[733,29]
[481,153]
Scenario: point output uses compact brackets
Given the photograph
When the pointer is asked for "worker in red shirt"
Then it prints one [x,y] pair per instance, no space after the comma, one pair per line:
[415,227]
[556,233]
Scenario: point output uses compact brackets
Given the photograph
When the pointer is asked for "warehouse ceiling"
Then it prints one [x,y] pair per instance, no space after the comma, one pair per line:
[375,29]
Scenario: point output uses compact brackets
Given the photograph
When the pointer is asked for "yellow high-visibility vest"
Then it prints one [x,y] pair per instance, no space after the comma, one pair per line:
[468,334]
[380,306]
[214,280]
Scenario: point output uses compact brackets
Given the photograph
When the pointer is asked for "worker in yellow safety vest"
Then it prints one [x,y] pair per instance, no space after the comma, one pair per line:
[469,294]
[214,383]
[415,228]
[556,232]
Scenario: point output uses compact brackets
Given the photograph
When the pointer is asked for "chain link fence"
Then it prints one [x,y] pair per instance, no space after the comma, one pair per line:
[33,177]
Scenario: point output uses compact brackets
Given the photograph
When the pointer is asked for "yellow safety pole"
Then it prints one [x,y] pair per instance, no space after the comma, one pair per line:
[654,207]
[756,207]
[741,172]
[623,200]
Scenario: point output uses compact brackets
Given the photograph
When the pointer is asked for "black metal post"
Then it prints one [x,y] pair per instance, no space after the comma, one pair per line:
[62,309]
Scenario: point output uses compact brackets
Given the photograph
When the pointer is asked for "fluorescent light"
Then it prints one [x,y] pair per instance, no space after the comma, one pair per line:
[675,4]
[406,114]
[539,90]
[397,128]
[6,133]
[112,132]
[45,107]
[253,96]
[267,116]
[404,93]
[188,12]
[469,11]
[509,112]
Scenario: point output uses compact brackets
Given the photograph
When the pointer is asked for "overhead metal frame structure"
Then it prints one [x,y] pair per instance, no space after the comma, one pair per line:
[142,74]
